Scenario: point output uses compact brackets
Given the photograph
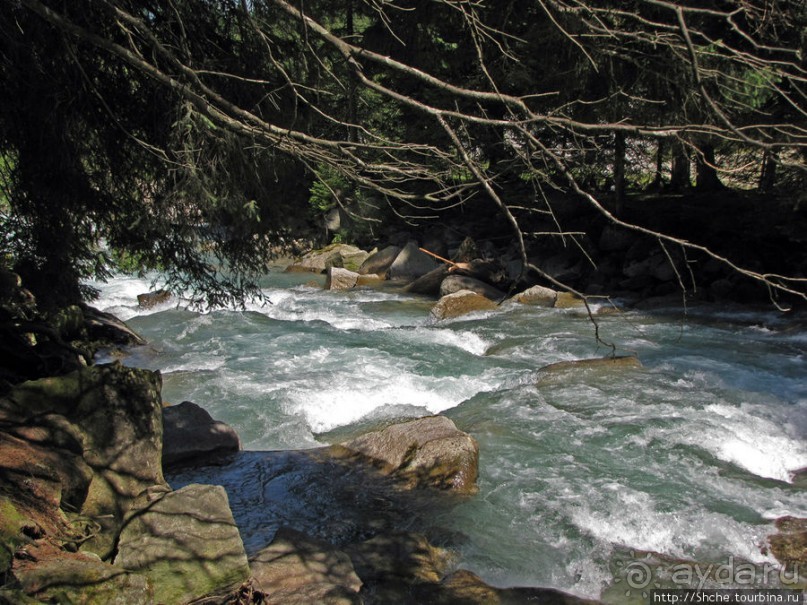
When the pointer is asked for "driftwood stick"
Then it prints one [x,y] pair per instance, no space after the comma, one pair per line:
[438,257]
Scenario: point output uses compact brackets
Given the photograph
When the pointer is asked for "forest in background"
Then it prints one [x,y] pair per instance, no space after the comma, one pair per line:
[205,137]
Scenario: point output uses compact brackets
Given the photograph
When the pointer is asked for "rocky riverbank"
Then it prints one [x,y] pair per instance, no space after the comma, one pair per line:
[596,257]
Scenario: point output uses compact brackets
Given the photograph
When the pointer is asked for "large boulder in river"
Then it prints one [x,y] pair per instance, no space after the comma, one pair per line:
[538,296]
[187,544]
[461,303]
[298,570]
[455,283]
[191,435]
[380,262]
[335,255]
[427,452]
[340,279]
[411,263]
[106,327]
[147,300]
[429,284]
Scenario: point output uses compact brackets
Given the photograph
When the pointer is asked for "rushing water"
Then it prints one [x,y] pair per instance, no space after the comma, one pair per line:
[690,457]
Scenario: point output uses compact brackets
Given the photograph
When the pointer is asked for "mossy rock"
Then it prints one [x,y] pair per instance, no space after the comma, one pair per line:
[82,580]
[187,544]
[11,523]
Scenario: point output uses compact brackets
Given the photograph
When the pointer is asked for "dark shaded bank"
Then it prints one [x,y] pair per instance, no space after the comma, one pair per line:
[576,244]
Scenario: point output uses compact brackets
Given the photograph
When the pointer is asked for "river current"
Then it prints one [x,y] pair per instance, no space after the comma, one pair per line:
[691,457]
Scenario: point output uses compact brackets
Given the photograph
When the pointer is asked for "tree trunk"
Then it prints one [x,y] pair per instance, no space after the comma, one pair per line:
[706,178]
[619,173]
[767,177]
[352,134]
[658,179]
[680,177]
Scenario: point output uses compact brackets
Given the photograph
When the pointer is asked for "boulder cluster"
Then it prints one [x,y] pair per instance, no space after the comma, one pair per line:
[470,281]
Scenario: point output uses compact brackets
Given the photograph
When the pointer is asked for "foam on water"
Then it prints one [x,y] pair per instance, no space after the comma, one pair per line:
[465,340]
[343,397]
[119,296]
[687,457]
[749,441]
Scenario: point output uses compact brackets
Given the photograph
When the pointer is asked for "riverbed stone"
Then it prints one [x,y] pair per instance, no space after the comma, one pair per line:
[411,263]
[466,588]
[190,434]
[620,362]
[538,296]
[340,279]
[105,327]
[148,300]
[789,545]
[370,279]
[429,284]
[461,303]
[399,557]
[426,452]
[187,544]
[380,262]
[295,569]
[457,283]
[567,300]
[335,255]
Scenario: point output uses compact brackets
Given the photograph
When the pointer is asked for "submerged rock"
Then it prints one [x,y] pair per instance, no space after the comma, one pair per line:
[597,363]
[187,544]
[295,569]
[461,303]
[427,452]
[567,300]
[789,546]
[190,434]
[466,588]
[399,557]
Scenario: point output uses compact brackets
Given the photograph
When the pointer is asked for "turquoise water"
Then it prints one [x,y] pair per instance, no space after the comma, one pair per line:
[690,457]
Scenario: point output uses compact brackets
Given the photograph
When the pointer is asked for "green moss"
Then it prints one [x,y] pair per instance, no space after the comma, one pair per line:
[11,521]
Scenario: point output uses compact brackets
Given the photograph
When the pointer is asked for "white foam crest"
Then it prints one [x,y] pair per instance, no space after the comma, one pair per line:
[618,515]
[342,314]
[119,296]
[756,444]
[465,340]
[343,400]
[194,324]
